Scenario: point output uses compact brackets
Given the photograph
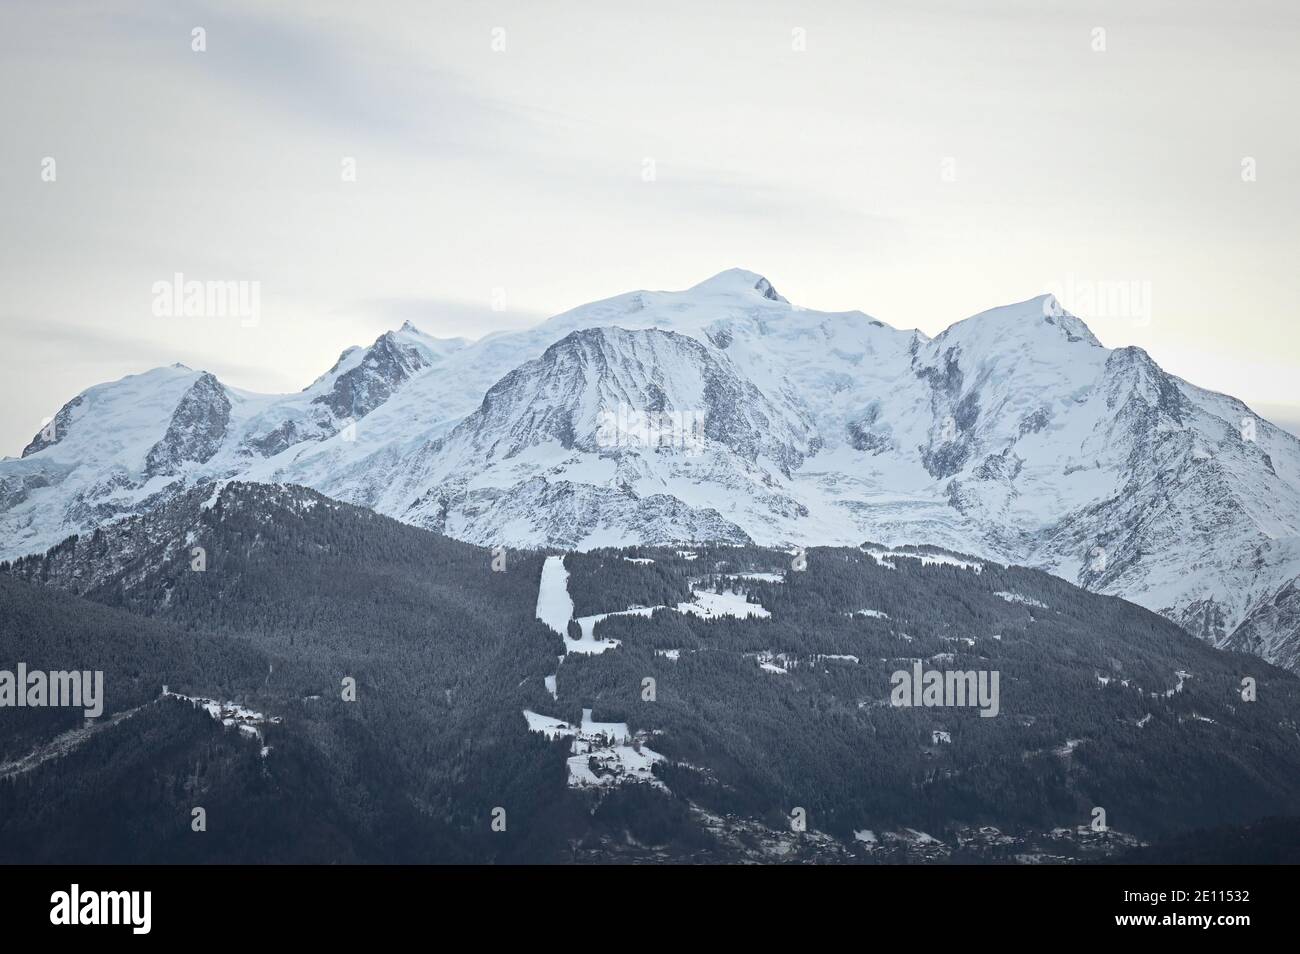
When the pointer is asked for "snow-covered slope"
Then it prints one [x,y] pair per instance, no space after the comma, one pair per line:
[626,427]
[723,412]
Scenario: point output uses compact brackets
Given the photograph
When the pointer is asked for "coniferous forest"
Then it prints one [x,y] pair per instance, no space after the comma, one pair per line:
[390,669]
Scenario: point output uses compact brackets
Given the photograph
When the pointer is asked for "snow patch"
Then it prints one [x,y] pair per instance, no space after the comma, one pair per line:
[603,754]
[249,721]
[886,558]
[1021,600]
[554,605]
[762,577]
[712,605]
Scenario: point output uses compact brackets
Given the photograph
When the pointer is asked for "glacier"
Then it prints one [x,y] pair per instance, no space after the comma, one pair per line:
[1014,436]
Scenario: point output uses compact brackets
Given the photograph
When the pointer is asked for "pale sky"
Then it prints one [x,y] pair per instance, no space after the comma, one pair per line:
[920,161]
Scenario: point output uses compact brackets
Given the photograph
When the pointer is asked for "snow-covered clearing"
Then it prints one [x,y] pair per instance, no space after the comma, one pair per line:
[1182,676]
[779,662]
[589,643]
[712,605]
[250,721]
[1017,598]
[554,606]
[555,609]
[886,559]
[550,727]
[914,836]
[603,754]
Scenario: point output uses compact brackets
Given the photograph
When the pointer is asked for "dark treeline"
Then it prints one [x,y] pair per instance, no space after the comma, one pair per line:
[822,735]
[607,580]
[49,631]
[299,592]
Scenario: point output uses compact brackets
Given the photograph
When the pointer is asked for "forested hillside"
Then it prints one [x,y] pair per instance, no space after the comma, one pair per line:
[443,650]
[1102,703]
[754,686]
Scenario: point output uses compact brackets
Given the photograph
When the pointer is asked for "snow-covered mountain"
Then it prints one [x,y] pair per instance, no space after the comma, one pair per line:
[723,412]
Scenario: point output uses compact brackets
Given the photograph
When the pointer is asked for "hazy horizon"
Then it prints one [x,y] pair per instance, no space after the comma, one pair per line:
[480,168]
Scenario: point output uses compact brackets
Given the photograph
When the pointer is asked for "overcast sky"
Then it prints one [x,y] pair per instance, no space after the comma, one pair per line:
[920,161]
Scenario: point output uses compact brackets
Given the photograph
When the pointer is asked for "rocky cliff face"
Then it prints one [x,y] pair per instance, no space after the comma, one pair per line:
[197,428]
[368,383]
[723,412]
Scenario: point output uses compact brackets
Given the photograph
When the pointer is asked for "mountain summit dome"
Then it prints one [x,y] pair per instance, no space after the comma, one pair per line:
[739,281]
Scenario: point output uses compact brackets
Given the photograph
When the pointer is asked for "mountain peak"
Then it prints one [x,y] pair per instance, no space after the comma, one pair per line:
[739,281]
[408,335]
[1048,304]
[1043,310]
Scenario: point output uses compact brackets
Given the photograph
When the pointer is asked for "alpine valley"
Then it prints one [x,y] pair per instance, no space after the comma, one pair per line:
[1014,436]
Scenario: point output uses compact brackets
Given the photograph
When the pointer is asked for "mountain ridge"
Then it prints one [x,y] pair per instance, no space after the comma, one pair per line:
[1014,434]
